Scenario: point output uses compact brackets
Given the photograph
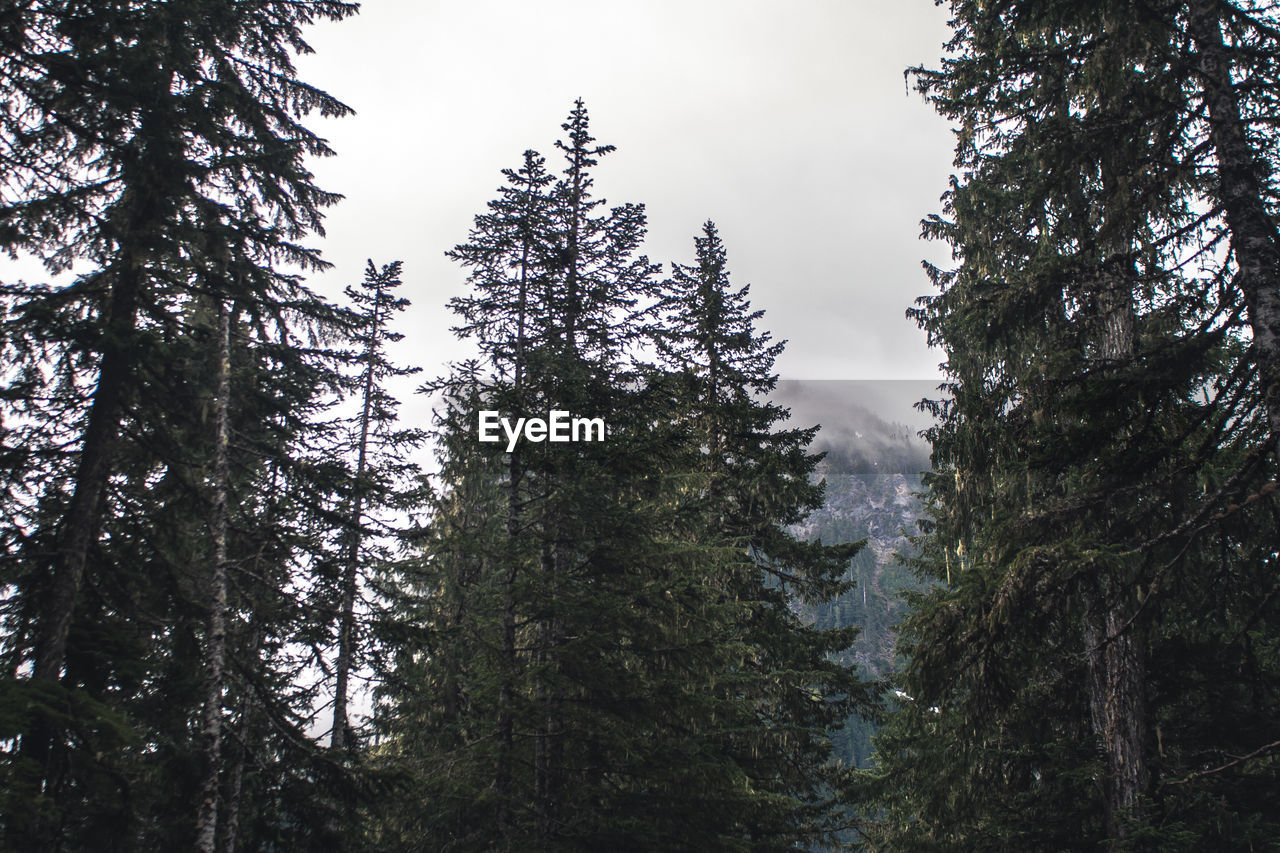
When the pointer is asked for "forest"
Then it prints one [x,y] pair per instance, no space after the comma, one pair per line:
[245,604]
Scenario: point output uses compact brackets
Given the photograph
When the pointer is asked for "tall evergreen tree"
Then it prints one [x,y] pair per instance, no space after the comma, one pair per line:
[167,111]
[136,657]
[1103,431]
[382,469]
[160,144]
[599,647]
[780,692]
[507,256]
[556,278]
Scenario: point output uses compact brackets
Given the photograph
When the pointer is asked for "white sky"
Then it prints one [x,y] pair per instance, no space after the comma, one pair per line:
[788,124]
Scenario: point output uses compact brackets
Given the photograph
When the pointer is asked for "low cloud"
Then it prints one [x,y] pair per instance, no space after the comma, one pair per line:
[867,426]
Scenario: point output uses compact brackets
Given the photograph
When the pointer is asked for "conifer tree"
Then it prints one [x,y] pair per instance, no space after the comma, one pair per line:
[160,144]
[136,659]
[598,648]
[1100,437]
[785,693]
[437,699]
[158,105]
[556,279]
[381,469]
[510,269]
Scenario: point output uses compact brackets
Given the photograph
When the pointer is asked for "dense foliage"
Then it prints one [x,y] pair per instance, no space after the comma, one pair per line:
[1097,662]
[598,648]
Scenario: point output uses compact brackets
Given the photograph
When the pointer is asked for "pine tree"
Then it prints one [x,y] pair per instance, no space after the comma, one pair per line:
[556,279]
[161,145]
[154,189]
[135,657]
[1102,422]
[381,469]
[507,258]
[782,691]
[598,648]
[437,701]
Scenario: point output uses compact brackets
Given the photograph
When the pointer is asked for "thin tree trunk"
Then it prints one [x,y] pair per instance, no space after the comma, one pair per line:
[541,767]
[1116,660]
[506,692]
[216,620]
[229,825]
[1241,189]
[572,297]
[546,748]
[351,571]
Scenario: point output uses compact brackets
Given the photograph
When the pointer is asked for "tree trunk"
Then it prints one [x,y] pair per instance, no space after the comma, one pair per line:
[229,825]
[216,619]
[547,747]
[1117,704]
[1116,660]
[572,256]
[506,692]
[84,512]
[1241,189]
[80,526]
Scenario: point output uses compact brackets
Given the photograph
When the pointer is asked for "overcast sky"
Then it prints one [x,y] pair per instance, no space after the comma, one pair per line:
[788,124]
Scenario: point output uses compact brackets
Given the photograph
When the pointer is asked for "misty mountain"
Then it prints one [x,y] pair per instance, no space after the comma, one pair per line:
[872,470]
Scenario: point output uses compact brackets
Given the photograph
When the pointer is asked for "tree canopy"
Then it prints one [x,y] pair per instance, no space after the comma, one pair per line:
[1105,450]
